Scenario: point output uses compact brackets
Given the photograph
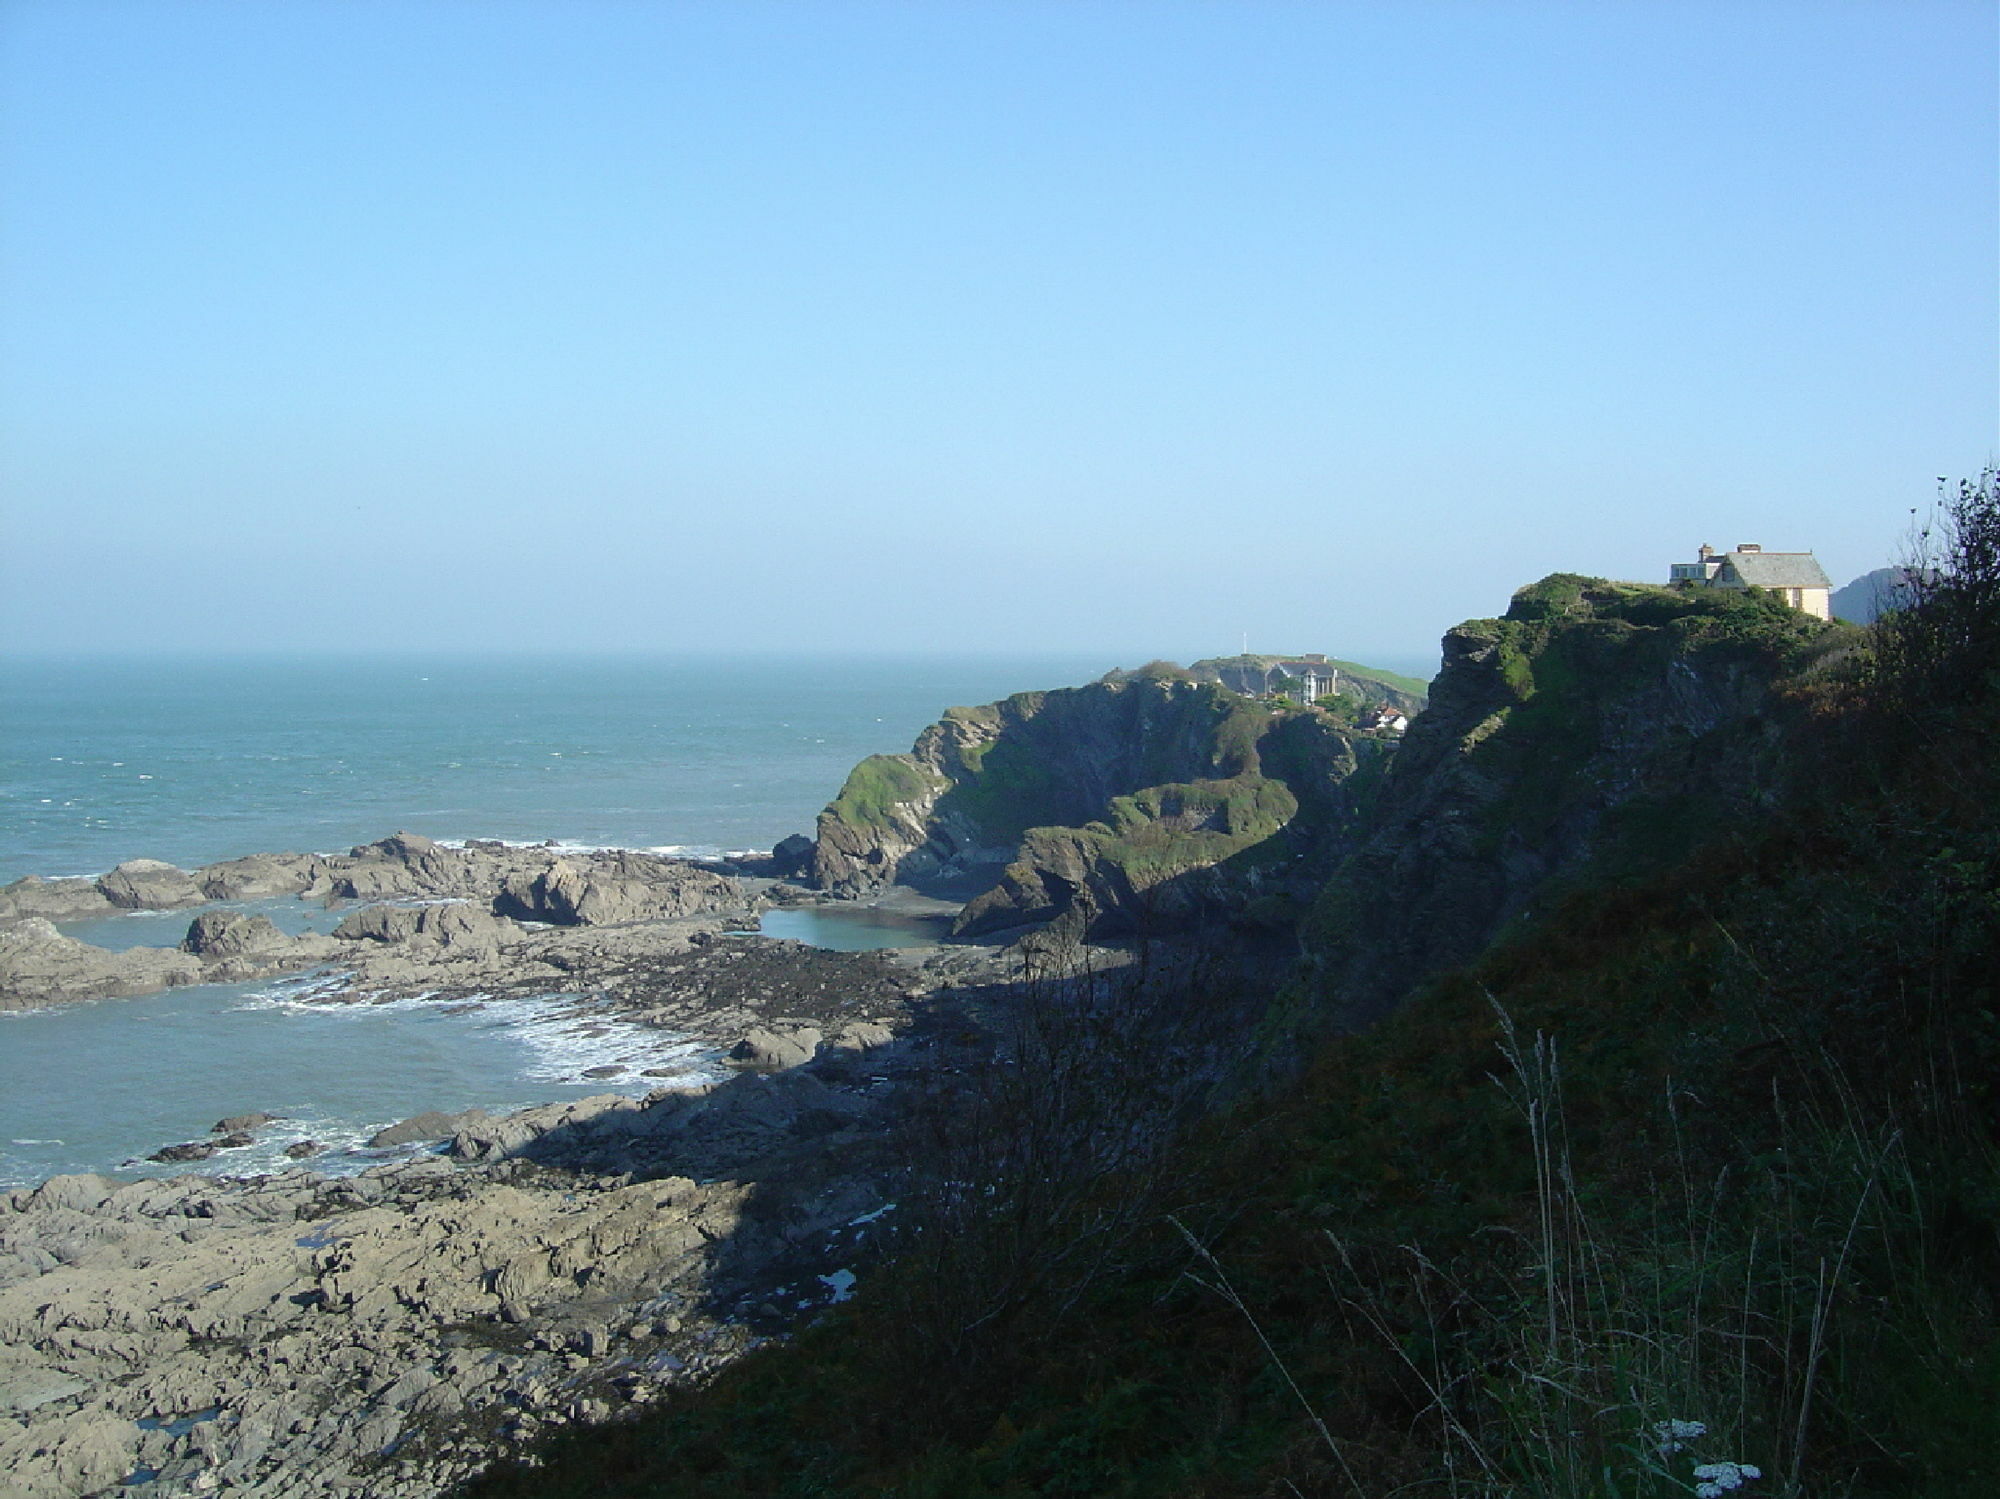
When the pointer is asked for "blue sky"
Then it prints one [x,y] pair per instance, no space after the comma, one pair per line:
[1127,328]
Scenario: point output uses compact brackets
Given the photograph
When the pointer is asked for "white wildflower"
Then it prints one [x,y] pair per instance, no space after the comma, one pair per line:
[1713,1480]
[1672,1436]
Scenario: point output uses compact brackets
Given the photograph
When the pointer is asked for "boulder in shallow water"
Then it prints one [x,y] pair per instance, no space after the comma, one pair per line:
[226,934]
[429,1125]
[192,1150]
[259,876]
[56,900]
[150,885]
[236,1122]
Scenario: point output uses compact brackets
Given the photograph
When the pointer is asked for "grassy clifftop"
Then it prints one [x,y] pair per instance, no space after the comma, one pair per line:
[1597,725]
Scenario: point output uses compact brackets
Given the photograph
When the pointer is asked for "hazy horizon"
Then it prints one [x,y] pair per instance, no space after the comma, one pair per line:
[1082,328]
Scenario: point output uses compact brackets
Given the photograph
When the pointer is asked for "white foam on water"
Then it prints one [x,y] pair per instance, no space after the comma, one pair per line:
[565,1039]
[564,1035]
[573,846]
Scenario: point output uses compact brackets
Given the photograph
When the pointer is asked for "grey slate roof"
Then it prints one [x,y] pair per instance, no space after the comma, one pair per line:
[1776,569]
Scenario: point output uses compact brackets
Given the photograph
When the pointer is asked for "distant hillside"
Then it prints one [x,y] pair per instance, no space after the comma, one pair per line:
[1255,674]
[1869,596]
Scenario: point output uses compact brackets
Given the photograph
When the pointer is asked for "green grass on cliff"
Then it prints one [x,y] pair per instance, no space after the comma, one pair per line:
[875,787]
[1699,1169]
[1163,831]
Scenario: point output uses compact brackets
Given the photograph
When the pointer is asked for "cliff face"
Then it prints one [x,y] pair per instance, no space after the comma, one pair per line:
[1595,723]
[1116,804]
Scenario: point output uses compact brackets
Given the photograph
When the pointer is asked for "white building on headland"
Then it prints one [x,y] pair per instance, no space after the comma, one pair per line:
[1315,678]
[1795,577]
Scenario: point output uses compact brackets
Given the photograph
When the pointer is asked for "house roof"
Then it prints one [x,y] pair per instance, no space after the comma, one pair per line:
[1777,569]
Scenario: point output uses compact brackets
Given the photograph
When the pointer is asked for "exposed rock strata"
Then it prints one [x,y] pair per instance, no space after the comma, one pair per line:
[1133,804]
[297,1336]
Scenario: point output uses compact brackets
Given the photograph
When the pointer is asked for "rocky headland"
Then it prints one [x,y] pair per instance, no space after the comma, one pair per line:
[1145,803]
[387,1332]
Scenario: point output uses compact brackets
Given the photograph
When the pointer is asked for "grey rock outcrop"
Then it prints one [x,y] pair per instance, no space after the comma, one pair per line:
[256,1119]
[792,855]
[283,1337]
[445,926]
[234,948]
[53,900]
[40,966]
[430,1125]
[261,876]
[625,887]
[773,1051]
[1590,708]
[150,885]
[224,934]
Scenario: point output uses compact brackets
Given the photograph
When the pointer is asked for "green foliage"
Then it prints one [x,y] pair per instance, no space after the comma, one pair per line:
[1718,1142]
[876,787]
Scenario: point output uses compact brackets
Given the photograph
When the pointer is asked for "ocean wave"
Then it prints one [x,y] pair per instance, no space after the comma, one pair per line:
[564,1036]
[575,846]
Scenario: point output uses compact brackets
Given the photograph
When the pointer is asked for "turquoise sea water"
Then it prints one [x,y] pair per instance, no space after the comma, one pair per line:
[194,761]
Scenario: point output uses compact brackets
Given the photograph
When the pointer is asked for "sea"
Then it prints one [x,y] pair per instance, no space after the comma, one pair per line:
[196,760]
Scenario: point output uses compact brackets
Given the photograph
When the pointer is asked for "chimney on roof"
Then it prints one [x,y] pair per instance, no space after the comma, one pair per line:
[1748,546]
[1706,552]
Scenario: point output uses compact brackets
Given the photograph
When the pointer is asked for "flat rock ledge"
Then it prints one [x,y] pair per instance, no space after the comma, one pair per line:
[376,1335]
[387,1334]
[296,1336]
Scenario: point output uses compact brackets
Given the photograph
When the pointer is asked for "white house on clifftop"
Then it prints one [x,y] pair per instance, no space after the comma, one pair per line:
[1795,577]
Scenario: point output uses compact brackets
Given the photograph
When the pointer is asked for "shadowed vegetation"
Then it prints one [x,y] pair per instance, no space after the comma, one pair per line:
[1697,1168]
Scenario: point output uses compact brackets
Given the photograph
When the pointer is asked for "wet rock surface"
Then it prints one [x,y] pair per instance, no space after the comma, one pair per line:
[387,1333]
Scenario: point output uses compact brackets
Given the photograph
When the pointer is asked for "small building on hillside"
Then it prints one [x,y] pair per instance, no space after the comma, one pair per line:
[1795,577]
[1383,719]
[1315,678]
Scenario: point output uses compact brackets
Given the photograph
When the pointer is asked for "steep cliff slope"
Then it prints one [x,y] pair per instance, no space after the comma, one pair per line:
[1151,797]
[1592,713]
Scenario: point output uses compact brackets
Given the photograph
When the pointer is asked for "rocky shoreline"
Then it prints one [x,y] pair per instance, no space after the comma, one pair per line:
[386,1334]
